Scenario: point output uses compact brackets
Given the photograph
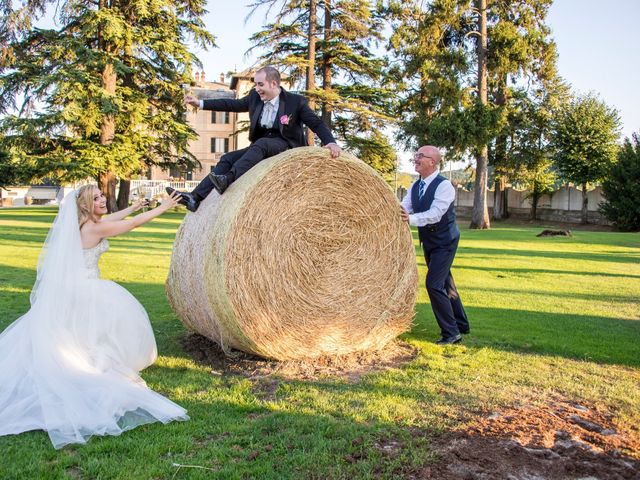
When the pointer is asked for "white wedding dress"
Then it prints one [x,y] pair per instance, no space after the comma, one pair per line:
[70,365]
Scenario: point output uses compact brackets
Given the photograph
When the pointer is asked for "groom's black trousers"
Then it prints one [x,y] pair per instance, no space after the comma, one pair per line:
[239,162]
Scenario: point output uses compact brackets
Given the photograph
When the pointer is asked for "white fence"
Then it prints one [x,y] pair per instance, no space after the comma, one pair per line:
[151,188]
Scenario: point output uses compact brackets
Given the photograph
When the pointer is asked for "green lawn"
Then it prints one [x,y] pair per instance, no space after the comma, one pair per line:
[549,316]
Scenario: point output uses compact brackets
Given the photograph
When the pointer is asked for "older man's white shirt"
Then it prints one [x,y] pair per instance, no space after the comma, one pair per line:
[444,196]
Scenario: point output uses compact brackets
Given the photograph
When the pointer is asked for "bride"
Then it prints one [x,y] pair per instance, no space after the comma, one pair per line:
[70,365]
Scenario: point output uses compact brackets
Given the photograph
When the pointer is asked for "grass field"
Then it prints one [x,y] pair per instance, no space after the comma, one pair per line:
[549,316]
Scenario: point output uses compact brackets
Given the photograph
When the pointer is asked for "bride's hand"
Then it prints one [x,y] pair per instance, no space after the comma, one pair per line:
[140,203]
[170,201]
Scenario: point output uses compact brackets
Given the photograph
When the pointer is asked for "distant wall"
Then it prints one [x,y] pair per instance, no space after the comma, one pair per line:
[563,205]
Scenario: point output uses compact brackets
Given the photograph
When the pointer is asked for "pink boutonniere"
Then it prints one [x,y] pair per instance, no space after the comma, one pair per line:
[284,120]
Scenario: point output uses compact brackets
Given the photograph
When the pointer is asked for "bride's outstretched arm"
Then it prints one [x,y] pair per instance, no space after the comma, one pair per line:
[125,212]
[102,229]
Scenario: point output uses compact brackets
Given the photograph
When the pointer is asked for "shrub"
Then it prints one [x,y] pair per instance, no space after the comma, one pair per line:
[621,189]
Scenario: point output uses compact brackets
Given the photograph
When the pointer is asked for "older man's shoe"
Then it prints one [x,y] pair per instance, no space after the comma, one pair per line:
[449,340]
[187,199]
[220,182]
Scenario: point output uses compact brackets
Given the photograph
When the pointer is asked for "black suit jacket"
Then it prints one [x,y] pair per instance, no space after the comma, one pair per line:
[294,106]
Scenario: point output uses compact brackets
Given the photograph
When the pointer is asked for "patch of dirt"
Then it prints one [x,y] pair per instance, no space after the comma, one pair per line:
[559,441]
[350,367]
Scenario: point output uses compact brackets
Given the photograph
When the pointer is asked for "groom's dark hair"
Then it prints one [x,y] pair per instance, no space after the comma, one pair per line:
[271,74]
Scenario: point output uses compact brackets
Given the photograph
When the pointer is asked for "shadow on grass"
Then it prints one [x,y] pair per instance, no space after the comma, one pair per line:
[584,337]
[459,265]
[232,434]
[596,297]
[581,337]
[567,255]
[29,214]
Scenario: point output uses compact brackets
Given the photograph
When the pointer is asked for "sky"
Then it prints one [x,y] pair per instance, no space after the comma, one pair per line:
[597,48]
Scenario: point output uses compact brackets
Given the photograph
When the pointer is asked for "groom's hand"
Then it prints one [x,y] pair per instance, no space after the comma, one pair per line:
[334,149]
[189,100]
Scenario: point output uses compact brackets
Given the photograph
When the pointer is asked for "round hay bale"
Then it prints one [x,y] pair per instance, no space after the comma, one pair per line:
[304,255]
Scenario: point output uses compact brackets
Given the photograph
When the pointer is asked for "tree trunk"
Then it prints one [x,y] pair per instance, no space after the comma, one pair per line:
[480,212]
[311,65]
[123,194]
[585,205]
[107,185]
[107,132]
[107,180]
[326,64]
[533,212]
[500,199]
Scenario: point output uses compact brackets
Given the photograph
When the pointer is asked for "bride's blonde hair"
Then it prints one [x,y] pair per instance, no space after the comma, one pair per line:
[84,200]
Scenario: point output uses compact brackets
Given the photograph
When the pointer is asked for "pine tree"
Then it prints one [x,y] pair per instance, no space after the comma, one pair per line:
[100,95]
[521,50]
[457,60]
[353,97]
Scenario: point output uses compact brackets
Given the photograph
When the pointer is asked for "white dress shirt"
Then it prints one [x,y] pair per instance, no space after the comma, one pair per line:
[269,115]
[444,196]
[267,118]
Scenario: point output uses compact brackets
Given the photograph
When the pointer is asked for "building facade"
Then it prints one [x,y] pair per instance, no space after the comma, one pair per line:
[218,132]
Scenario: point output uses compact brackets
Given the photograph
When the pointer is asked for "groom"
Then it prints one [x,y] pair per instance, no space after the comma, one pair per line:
[277,119]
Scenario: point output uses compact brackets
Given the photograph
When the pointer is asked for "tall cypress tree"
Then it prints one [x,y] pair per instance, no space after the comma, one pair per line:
[100,95]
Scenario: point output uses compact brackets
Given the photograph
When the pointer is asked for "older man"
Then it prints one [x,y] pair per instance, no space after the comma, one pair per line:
[276,124]
[429,206]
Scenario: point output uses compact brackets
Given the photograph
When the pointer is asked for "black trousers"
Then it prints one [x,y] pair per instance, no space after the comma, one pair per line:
[239,162]
[445,301]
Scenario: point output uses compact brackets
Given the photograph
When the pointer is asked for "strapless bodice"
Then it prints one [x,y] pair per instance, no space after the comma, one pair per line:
[92,256]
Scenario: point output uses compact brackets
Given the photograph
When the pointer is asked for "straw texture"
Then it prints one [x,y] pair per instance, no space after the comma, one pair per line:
[303,256]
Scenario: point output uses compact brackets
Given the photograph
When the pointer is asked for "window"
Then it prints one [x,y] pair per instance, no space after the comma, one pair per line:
[213,117]
[219,145]
[225,117]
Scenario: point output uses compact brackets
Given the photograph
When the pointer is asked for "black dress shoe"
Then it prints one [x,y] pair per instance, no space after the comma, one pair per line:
[449,340]
[465,331]
[187,199]
[220,182]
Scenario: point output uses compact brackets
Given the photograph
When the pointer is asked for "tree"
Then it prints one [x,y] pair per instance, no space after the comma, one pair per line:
[530,127]
[100,95]
[539,178]
[353,98]
[620,188]
[15,169]
[584,140]
[457,59]
[522,68]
